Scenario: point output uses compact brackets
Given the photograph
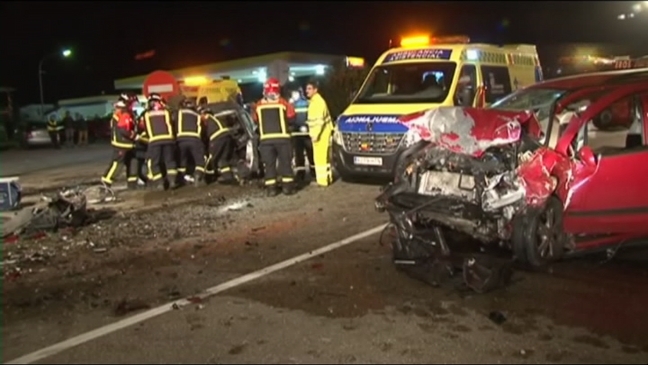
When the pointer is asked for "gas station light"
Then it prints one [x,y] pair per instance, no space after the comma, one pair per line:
[355,62]
[319,70]
[66,53]
[262,76]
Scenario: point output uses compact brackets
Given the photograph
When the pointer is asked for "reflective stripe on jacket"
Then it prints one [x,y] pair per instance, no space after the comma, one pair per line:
[118,136]
[158,126]
[214,128]
[318,116]
[273,119]
[189,125]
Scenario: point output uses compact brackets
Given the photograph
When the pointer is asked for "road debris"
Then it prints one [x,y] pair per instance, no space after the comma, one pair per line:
[66,208]
[497,317]
[127,306]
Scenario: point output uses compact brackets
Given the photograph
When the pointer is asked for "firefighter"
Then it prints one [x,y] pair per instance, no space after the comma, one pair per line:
[302,144]
[142,138]
[161,143]
[320,128]
[122,139]
[274,116]
[219,147]
[189,136]
[54,129]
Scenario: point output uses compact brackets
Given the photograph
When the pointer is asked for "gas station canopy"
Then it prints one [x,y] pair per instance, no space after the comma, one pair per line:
[283,65]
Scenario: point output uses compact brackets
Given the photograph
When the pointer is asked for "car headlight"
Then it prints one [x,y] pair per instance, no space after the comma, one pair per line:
[338,138]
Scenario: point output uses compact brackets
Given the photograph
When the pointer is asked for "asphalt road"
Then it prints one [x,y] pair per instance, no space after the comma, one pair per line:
[346,306]
[20,162]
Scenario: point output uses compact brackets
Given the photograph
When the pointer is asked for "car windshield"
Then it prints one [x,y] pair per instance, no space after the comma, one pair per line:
[537,99]
[424,82]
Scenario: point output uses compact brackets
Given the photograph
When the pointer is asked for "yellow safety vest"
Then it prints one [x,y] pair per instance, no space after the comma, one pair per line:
[318,116]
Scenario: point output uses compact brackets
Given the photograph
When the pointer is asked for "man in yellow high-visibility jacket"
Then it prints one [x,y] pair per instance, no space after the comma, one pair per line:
[320,128]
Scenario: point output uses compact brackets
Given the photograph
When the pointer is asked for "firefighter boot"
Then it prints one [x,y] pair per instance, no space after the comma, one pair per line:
[199,179]
[300,177]
[227,178]
[156,184]
[172,180]
[272,191]
[288,188]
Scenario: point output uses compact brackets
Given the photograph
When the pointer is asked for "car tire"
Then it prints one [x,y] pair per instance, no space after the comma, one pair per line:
[531,229]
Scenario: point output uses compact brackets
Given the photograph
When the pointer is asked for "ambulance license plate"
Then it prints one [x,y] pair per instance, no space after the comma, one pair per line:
[367,161]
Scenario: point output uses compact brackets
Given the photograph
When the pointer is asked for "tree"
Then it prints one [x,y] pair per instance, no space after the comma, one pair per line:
[339,86]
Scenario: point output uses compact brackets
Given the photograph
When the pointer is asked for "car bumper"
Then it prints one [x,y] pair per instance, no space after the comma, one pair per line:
[352,165]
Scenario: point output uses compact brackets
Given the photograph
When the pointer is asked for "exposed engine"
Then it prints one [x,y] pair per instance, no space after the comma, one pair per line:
[474,195]
[460,173]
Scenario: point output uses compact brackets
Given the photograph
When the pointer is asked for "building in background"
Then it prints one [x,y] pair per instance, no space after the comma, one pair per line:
[250,72]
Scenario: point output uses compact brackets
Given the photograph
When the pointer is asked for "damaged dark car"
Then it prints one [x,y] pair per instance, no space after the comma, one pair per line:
[502,178]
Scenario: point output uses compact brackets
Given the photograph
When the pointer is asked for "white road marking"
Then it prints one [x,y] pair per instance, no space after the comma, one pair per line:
[168,307]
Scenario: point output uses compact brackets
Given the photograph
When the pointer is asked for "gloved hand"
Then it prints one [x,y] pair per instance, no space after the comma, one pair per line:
[137,137]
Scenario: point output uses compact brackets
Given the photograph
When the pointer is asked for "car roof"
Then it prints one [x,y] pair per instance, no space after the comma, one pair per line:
[592,79]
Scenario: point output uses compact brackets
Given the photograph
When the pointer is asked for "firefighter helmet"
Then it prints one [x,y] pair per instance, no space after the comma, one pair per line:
[271,87]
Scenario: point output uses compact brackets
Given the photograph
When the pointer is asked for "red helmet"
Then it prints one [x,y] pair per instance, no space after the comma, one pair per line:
[271,87]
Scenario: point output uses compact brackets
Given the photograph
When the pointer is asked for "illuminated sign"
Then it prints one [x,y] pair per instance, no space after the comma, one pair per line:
[419,54]
[370,119]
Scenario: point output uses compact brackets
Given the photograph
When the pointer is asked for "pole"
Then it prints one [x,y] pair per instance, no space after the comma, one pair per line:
[40,85]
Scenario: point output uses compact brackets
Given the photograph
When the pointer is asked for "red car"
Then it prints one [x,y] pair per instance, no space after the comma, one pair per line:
[507,177]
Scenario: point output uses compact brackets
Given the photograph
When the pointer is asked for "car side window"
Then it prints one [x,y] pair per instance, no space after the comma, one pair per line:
[618,128]
[497,82]
[466,86]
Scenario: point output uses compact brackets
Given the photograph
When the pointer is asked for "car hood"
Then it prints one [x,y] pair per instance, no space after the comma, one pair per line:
[469,131]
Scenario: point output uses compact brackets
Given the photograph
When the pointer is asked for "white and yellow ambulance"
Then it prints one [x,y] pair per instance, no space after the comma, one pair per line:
[421,74]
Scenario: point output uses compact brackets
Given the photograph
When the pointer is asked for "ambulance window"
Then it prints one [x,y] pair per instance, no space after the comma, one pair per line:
[424,82]
[497,82]
[466,86]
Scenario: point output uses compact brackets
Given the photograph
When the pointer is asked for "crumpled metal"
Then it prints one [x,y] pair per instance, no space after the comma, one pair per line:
[469,131]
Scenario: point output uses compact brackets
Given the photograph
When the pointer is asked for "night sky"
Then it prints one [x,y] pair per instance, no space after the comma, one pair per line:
[105,36]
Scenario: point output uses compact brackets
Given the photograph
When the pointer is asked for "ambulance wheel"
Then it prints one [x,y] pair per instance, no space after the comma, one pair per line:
[538,237]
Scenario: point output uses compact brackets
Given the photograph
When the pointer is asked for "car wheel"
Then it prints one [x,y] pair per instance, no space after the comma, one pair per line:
[538,237]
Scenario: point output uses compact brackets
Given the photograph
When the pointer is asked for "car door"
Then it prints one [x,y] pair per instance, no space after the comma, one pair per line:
[614,199]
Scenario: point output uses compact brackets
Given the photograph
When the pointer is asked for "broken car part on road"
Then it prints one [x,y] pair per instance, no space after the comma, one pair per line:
[67,208]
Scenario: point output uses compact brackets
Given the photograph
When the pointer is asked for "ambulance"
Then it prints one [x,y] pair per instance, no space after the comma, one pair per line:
[423,73]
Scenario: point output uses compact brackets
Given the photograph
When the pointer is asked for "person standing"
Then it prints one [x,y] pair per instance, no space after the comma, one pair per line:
[161,143]
[122,139]
[68,124]
[82,129]
[302,143]
[54,130]
[274,116]
[320,127]
[189,137]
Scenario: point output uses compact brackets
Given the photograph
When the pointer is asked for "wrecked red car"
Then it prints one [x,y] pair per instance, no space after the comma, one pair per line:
[512,179]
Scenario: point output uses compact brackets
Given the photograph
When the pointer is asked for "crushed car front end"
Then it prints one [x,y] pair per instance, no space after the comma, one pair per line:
[466,170]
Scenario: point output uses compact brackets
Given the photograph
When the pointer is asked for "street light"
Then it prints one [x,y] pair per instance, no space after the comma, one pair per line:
[65,54]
